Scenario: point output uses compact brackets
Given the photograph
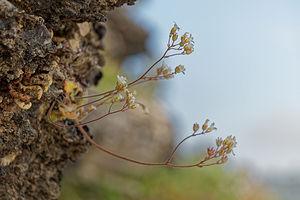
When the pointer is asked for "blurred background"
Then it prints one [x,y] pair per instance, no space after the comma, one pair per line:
[243,75]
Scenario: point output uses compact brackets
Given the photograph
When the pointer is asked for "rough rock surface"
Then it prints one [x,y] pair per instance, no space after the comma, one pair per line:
[59,13]
[43,43]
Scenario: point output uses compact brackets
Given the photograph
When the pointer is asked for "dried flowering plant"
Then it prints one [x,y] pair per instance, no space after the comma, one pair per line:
[74,104]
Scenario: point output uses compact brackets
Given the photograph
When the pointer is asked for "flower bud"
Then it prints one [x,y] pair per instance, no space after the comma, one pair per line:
[182,38]
[166,71]
[174,29]
[189,39]
[196,127]
[167,76]
[224,159]
[219,142]
[204,127]
[188,46]
[221,152]
[189,51]
[159,70]
[134,106]
[179,68]
[118,98]
[181,44]
[175,37]
[229,151]
[210,151]
[211,128]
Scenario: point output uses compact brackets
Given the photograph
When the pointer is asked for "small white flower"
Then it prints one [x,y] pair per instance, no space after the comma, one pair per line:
[121,80]
[231,141]
[179,68]
[189,39]
[131,101]
[167,71]
[164,65]
[130,98]
[189,46]
[174,29]
[162,68]
[93,107]
[211,128]
[120,96]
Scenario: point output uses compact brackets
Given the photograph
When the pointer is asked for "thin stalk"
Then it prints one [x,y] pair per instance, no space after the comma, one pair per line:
[95,95]
[132,160]
[89,103]
[177,146]
[125,107]
[150,68]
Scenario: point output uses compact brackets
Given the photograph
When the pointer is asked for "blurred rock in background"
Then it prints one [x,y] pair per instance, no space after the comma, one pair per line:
[124,38]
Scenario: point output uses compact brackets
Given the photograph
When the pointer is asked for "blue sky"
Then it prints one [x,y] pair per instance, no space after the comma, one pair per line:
[243,75]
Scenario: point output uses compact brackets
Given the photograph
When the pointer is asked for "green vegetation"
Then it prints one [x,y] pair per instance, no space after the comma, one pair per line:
[159,183]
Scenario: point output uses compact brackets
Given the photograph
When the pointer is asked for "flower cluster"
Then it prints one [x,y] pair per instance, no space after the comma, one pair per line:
[224,147]
[187,43]
[210,128]
[121,87]
[179,69]
[121,83]
[74,104]
[174,30]
[165,71]
[130,99]
[205,128]
[119,97]
[186,40]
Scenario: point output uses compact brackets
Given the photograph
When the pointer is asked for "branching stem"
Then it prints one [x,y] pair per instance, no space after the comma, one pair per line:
[166,163]
[185,47]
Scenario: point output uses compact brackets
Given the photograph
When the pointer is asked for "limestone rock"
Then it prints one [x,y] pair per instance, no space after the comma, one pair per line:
[40,47]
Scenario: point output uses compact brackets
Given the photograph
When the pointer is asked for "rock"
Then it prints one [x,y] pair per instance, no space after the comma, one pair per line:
[37,54]
[124,37]
[59,13]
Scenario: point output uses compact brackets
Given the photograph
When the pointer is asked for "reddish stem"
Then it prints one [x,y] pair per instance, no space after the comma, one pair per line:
[149,68]
[95,95]
[110,94]
[89,103]
[177,146]
[167,163]
[175,54]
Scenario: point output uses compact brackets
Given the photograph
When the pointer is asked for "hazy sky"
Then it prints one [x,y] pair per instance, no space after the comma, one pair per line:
[243,75]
